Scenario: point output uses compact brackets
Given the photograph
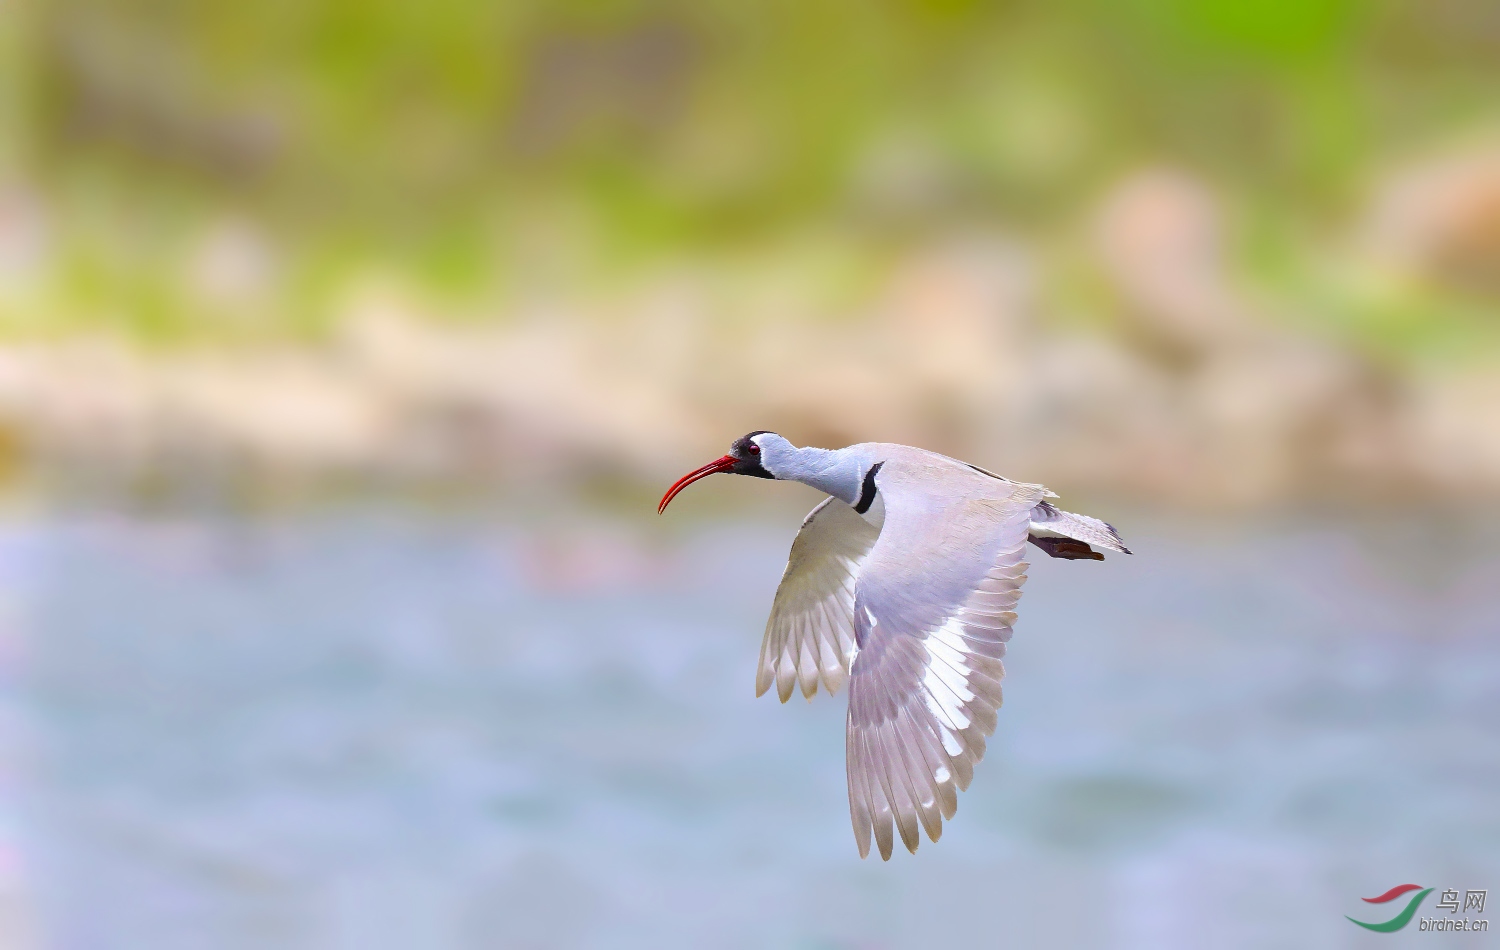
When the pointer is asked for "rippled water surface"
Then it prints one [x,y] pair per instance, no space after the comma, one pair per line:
[403,730]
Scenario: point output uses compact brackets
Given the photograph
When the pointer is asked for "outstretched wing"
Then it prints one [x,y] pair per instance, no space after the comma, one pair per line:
[933,610]
[810,635]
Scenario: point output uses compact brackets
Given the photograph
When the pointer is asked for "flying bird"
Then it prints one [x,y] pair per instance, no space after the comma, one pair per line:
[903,582]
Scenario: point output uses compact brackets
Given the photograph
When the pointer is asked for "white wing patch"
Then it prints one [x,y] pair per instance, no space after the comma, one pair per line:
[944,687]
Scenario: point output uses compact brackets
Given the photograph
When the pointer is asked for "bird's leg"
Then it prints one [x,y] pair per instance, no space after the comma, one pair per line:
[1065,548]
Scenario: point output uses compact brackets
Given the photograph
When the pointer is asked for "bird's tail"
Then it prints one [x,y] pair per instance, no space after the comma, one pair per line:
[1067,535]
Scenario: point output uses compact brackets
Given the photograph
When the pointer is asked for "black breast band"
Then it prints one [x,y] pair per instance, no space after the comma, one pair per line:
[867,490]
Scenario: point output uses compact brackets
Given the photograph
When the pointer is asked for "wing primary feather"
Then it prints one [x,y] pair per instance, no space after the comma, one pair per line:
[881,810]
[830,658]
[859,795]
[921,776]
[982,713]
[934,759]
[937,760]
[807,666]
[786,673]
[895,773]
[963,769]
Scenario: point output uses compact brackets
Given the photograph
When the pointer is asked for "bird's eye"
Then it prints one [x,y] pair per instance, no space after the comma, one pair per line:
[755,449]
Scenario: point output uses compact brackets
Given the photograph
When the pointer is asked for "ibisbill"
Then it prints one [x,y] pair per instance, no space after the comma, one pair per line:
[904,583]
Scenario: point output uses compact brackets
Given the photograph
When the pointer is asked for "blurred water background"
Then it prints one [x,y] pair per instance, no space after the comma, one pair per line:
[345,347]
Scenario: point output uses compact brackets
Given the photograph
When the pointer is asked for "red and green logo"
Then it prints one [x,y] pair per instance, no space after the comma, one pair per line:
[1401,919]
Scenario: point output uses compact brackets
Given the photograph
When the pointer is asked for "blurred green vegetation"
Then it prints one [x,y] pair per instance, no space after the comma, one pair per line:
[478,149]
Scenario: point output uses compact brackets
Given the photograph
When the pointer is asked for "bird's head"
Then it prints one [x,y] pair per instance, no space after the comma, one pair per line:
[756,453]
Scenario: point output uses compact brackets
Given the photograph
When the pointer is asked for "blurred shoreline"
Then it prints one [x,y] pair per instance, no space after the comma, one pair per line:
[1190,392]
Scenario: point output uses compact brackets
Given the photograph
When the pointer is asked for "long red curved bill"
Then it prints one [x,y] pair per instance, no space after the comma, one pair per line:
[712,468]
